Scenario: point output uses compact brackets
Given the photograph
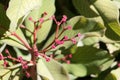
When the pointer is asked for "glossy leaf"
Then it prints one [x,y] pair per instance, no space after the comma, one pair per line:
[2,47]
[105,12]
[4,22]
[83,7]
[94,59]
[115,73]
[20,8]
[51,70]
[7,74]
[48,7]
[77,70]
[13,41]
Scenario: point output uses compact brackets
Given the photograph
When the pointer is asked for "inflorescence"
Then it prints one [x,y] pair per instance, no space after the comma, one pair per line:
[33,50]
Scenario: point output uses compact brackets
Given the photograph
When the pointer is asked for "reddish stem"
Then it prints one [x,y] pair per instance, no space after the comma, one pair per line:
[56,33]
[24,43]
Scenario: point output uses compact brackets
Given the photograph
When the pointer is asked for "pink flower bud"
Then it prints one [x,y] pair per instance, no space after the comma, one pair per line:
[69,27]
[41,20]
[73,41]
[24,65]
[53,46]
[27,74]
[78,35]
[1,56]
[65,38]
[5,63]
[59,42]
[30,18]
[47,59]
[118,64]
[68,61]
[70,55]
[64,18]
[20,58]
[6,51]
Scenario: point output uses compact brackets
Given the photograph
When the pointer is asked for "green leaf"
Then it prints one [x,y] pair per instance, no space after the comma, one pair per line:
[78,70]
[4,22]
[49,7]
[117,2]
[110,77]
[7,74]
[90,38]
[94,6]
[2,47]
[106,12]
[25,55]
[6,77]
[83,7]
[4,71]
[13,41]
[96,60]
[20,8]
[113,27]
[51,70]
[115,73]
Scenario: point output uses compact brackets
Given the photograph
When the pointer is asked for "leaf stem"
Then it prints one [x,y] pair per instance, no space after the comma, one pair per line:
[19,38]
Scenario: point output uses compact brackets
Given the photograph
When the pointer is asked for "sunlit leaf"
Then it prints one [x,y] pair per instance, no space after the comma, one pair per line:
[48,6]
[94,59]
[20,8]
[13,41]
[51,70]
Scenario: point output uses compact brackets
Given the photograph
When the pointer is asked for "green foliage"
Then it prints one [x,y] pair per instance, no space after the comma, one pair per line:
[48,7]
[51,70]
[4,22]
[20,8]
[96,20]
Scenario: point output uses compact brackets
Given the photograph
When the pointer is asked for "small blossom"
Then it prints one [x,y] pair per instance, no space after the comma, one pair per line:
[59,42]
[73,40]
[64,18]
[1,57]
[68,28]
[5,63]
[24,65]
[30,18]
[6,51]
[47,59]
[53,46]
[118,64]
[36,54]
[20,58]
[78,35]
[41,20]
[65,38]
[68,61]
[70,55]
[27,74]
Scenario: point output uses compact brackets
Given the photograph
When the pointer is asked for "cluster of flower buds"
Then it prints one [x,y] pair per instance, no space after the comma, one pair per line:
[15,60]
[35,53]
